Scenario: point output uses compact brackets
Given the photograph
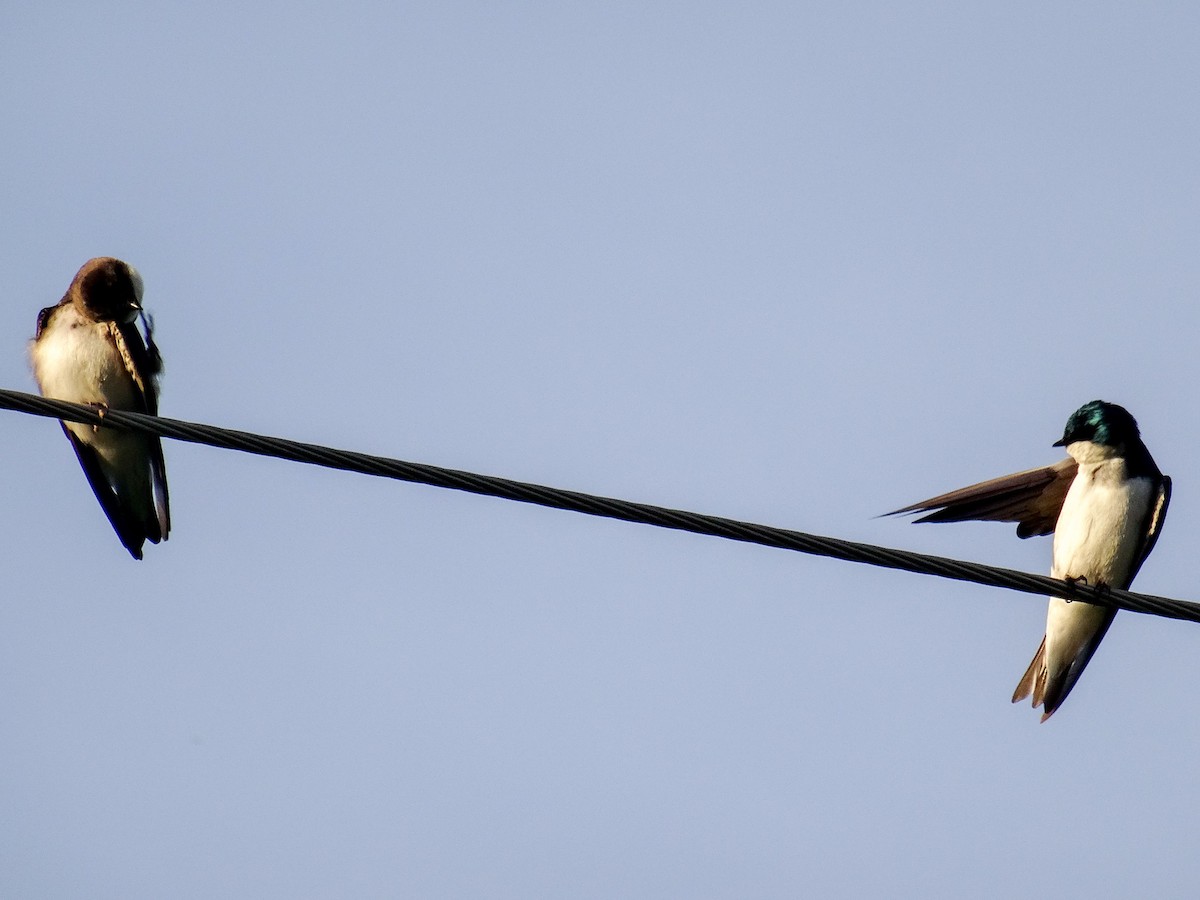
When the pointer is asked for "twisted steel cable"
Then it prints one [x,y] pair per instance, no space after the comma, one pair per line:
[589,504]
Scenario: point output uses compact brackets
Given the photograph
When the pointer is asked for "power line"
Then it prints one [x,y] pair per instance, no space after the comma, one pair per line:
[589,504]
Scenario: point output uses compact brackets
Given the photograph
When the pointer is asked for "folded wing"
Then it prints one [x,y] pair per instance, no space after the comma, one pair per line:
[1153,527]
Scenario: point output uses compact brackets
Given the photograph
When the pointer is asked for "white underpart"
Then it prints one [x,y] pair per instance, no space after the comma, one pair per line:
[1098,535]
[76,360]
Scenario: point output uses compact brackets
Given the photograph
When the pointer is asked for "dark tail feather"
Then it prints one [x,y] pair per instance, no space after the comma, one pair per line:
[1056,694]
[1030,680]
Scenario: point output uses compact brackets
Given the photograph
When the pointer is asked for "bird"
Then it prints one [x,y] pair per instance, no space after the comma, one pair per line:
[1105,504]
[87,349]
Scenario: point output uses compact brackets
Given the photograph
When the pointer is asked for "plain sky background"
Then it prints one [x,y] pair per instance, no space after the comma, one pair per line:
[791,263]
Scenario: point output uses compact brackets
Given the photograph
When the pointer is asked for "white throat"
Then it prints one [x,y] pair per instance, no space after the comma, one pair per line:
[1088,453]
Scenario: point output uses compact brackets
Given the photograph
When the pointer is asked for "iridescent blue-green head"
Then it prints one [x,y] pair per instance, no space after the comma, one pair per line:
[1100,423]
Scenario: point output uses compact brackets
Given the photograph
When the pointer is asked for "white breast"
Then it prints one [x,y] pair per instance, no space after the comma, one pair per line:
[1099,528]
[76,360]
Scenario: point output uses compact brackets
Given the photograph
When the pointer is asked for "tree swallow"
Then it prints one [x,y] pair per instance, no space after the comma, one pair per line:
[1105,503]
[88,350]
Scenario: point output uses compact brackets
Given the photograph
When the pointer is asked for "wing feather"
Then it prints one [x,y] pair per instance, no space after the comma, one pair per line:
[1153,527]
[143,362]
[125,523]
[43,320]
[1032,498]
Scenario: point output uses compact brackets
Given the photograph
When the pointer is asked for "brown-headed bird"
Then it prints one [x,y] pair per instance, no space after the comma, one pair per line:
[88,350]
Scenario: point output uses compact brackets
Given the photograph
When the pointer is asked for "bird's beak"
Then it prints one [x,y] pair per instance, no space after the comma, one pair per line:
[1061,442]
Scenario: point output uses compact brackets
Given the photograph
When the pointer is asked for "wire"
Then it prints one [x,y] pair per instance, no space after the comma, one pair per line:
[589,504]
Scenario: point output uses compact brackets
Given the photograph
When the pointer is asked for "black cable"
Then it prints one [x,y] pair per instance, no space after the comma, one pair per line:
[680,520]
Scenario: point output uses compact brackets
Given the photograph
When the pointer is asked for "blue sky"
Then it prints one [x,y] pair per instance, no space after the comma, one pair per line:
[791,264]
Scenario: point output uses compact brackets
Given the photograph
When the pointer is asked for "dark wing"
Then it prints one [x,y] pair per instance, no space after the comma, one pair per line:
[1032,498]
[141,364]
[44,320]
[125,523]
[1153,527]
[144,363]
[158,466]
[162,498]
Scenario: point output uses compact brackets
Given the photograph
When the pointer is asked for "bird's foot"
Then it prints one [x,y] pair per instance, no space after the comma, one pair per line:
[1074,582]
[1100,587]
[101,409]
